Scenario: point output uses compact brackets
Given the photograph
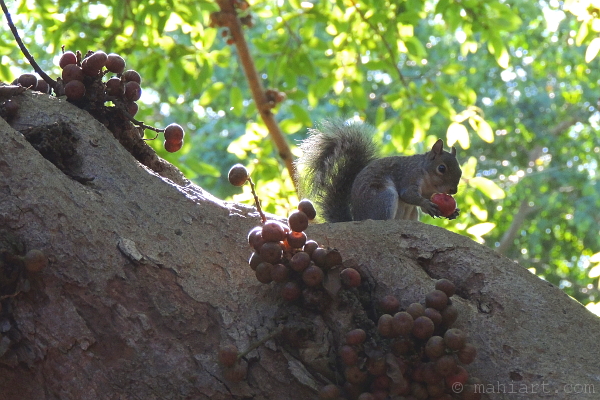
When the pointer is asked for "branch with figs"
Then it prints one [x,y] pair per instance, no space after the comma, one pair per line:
[265,99]
[90,81]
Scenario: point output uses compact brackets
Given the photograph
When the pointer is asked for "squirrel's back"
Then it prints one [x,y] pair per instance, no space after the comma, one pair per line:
[332,158]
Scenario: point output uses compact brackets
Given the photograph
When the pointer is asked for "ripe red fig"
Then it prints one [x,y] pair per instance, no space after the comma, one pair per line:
[445,203]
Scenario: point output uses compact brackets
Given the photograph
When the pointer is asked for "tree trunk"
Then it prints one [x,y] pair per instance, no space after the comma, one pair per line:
[148,277]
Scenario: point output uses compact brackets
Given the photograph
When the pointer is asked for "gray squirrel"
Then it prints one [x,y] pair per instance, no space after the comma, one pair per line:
[340,170]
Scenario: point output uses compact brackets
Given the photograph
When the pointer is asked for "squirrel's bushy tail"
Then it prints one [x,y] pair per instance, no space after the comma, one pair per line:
[332,157]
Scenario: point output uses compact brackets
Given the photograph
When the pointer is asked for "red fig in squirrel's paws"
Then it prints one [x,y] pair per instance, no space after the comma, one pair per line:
[446,204]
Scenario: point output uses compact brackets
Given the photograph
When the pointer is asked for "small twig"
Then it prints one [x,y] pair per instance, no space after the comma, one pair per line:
[130,117]
[387,45]
[140,123]
[151,138]
[18,289]
[261,342]
[15,294]
[51,82]
[263,217]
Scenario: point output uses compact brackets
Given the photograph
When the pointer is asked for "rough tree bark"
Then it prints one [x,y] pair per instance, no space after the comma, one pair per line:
[147,277]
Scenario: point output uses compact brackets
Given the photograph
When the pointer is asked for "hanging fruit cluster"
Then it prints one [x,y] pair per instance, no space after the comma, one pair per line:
[283,254]
[92,80]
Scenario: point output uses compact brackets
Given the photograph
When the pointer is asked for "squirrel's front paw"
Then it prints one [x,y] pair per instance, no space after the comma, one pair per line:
[431,208]
[455,214]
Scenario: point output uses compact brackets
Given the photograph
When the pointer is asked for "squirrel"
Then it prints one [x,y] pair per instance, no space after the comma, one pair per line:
[341,171]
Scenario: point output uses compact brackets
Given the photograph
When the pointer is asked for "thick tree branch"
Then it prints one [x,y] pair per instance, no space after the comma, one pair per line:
[230,19]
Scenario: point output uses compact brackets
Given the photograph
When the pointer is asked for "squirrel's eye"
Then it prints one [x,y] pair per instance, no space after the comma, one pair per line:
[442,168]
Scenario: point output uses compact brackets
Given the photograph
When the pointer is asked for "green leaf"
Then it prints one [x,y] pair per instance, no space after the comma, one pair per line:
[573,97]
[443,103]
[301,115]
[319,89]
[402,133]
[469,168]
[594,272]
[479,213]
[582,34]
[469,46]
[507,18]
[358,96]
[452,68]
[442,6]
[458,133]
[175,77]
[301,64]
[498,49]
[295,4]
[487,187]
[415,47]
[236,100]
[248,141]
[483,129]
[206,71]
[592,50]
[5,74]
[426,113]
[211,93]
[379,116]
[290,126]
[204,169]
[481,229]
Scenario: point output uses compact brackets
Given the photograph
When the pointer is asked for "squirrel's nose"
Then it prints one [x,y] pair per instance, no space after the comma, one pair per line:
[452,191]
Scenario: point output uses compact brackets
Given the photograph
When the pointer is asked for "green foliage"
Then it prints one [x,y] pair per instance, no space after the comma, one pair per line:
[505,81]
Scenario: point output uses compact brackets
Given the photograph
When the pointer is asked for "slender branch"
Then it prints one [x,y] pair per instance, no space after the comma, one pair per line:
[121,105]
[287,49]
[51,82]
[230,19]
[387,45]
[567,123]
[15,294]
[509,236]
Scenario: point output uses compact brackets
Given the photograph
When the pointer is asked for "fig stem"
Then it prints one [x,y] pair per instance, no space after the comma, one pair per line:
[140,124]
[24,50]
[263,218]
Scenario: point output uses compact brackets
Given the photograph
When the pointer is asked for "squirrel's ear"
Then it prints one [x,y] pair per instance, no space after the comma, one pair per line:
[437,148]
[453,151]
